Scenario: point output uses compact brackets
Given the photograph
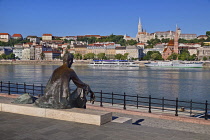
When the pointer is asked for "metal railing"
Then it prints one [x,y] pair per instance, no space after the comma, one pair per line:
[21,88]
[125,100]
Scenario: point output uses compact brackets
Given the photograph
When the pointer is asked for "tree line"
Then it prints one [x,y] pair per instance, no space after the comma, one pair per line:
[100,56]
[12,42]
[184,55]
[118,39]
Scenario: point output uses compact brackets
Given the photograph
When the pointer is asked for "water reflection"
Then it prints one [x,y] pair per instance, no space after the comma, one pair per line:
[185,84]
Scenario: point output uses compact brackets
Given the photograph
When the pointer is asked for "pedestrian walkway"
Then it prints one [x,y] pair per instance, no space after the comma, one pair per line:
[145,127]
[22,127]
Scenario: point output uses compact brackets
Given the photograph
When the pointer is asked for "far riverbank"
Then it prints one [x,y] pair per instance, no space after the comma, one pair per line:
[60,62]
[52,62]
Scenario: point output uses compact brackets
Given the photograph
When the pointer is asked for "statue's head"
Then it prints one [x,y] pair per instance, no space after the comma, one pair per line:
[68,59]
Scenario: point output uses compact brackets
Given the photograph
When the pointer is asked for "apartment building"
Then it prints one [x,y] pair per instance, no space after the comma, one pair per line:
[47,37]
[4,37]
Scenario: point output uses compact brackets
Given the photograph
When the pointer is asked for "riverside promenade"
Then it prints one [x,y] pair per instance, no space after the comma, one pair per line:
[22,127]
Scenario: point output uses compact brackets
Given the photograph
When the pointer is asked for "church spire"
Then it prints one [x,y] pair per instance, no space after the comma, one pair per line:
[140,26]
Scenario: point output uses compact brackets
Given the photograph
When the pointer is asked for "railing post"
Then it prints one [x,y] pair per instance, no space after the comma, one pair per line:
[41,89]
[190,107]
[163,104]
[24,87]
[33,89]
[176,112]
[149,104]
[206,110]
[112,98]
[101,105]
[17,88]
[137,101]
[124,101]
[9,88]
[1,85]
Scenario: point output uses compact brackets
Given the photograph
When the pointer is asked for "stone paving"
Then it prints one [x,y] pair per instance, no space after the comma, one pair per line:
[22,127]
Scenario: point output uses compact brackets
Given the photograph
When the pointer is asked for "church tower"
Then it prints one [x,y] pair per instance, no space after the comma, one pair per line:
[176,40]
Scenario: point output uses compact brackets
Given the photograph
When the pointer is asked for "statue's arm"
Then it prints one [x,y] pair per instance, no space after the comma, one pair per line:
[77,81]
[82,85]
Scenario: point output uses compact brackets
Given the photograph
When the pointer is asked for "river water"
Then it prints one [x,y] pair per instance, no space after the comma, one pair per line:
[186,84]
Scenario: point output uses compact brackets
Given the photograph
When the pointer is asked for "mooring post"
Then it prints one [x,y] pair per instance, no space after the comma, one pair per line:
[101,105]
[9,88]
[163,104]
[206,110]
[137,100]
[124,101]
[1,85]
[112,99]
[33,88]
[149,104]
[190,107]
[176,112]
[17,88]
[24,87]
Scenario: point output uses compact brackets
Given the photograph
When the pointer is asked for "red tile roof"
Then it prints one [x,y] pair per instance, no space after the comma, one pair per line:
[47,35]
[4,34]
[16,35]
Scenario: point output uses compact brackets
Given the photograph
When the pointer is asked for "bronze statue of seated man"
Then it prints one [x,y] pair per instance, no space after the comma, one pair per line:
[57,93]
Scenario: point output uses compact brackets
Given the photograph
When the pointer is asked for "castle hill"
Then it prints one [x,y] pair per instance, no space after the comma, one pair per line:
[160,45]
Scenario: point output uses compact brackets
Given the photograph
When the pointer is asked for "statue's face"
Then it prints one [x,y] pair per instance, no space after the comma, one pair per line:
[70,62]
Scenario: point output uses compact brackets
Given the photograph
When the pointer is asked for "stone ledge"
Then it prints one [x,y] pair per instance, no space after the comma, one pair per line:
[86,116]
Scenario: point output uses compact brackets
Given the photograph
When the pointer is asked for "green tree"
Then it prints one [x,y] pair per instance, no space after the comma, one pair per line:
[101,56]
[89,56]
[173,56]
[184,55]
[78,56]
[4,56]
[153,55]
[118,56]
[208,39]
[131,42]
[204,58]
[42,55]
[165,40]
[125,56]
[11,56]
[208,33]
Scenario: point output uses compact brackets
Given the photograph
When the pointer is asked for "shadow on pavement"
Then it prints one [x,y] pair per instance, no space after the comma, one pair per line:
[138,122]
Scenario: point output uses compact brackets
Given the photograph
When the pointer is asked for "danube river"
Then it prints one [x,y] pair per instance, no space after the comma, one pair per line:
[185,84]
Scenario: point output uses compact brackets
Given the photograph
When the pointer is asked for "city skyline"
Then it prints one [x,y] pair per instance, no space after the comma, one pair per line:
[119,17]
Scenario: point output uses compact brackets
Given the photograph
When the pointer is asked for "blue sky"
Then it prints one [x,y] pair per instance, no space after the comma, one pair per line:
[102,17]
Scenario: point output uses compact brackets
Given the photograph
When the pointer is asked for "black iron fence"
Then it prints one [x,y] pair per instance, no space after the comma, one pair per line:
[125,100]
[20,88]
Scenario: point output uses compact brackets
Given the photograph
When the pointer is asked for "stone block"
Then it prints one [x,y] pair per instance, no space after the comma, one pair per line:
[23,109]
[80,115]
